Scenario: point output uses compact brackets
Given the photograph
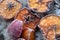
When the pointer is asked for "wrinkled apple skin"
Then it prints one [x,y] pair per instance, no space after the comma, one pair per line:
[15,28]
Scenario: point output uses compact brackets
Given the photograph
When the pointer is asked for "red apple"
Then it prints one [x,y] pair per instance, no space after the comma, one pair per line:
[15,28]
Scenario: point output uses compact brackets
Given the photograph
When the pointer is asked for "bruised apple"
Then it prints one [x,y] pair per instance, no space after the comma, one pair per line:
[28,18]
[40,5]
[9,8]
[48,22]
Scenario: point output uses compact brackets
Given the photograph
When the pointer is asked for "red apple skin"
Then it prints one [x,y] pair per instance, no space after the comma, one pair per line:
[15,28]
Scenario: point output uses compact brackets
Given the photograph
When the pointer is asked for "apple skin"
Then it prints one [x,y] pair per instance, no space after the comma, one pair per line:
[28,34]
[21,39]
[15,28]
